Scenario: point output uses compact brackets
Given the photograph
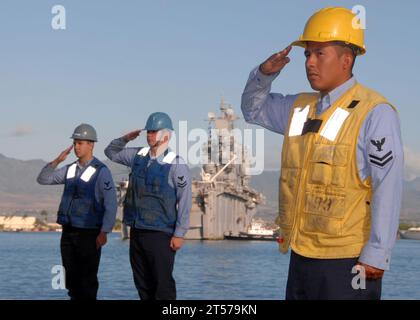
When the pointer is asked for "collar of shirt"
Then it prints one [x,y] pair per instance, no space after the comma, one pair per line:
[79,166]
[331,97]
[160,157]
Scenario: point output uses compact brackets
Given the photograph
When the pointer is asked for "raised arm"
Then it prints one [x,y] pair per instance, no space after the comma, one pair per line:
[49,175]
[259,106]
[117,152]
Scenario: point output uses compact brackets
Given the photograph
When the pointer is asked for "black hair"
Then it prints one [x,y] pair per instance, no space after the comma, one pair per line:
[355,50]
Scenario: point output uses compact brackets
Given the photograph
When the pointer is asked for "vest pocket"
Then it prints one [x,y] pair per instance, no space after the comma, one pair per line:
[324,213]
[81,206]
[321,164]
[153,211]
[321,173]
[340,160]
[321,224]
[329,205]
[338,178]
[150,217]
[328,165]
[341,155]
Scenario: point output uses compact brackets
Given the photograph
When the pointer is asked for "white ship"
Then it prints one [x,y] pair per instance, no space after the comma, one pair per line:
[256,231]
[411,233]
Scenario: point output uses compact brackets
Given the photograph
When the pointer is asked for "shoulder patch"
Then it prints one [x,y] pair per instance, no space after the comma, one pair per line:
[107,186]
[182,184]
[380,151]
[378,143]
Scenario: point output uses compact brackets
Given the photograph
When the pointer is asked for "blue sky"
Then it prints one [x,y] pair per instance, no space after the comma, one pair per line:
[118,61]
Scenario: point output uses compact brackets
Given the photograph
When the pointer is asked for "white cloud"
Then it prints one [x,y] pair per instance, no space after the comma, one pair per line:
[22,131]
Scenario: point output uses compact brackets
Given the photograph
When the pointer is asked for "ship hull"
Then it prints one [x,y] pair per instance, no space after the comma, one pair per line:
[411,235]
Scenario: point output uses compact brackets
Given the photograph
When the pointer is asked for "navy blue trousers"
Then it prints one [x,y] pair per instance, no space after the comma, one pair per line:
[327,279]
[81,262]
[152,261]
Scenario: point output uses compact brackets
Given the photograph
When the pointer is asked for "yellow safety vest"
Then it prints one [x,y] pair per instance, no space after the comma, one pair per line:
[324,206]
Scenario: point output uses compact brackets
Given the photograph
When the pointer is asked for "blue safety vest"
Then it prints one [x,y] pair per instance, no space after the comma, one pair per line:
[79,207]
[150,202]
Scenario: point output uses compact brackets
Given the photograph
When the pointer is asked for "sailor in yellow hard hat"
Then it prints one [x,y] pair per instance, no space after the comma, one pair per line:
[341,167]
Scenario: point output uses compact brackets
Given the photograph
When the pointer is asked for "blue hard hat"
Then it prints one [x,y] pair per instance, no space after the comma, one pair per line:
[158,121]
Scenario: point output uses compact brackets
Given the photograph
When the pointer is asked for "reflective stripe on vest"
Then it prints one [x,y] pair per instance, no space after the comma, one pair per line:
[71,173]
[298,121]
[88,173]
[143,151]
[329,131]
[169,157]
[334,124]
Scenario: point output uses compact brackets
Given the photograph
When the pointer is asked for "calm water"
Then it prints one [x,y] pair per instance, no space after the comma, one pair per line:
[203,269]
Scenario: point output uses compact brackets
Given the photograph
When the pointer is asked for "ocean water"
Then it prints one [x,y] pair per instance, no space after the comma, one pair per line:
[235,270]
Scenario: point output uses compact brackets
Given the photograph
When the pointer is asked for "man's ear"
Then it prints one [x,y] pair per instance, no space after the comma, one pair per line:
[348,61]
[167,136]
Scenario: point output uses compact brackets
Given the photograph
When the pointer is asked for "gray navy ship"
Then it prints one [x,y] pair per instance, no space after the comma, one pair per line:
[223,203]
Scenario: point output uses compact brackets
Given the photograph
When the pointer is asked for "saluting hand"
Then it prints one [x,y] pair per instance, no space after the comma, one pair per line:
[276,62]
[63,156]
[132,135]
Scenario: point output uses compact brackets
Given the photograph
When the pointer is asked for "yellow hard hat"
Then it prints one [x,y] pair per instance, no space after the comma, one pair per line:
[332,24]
